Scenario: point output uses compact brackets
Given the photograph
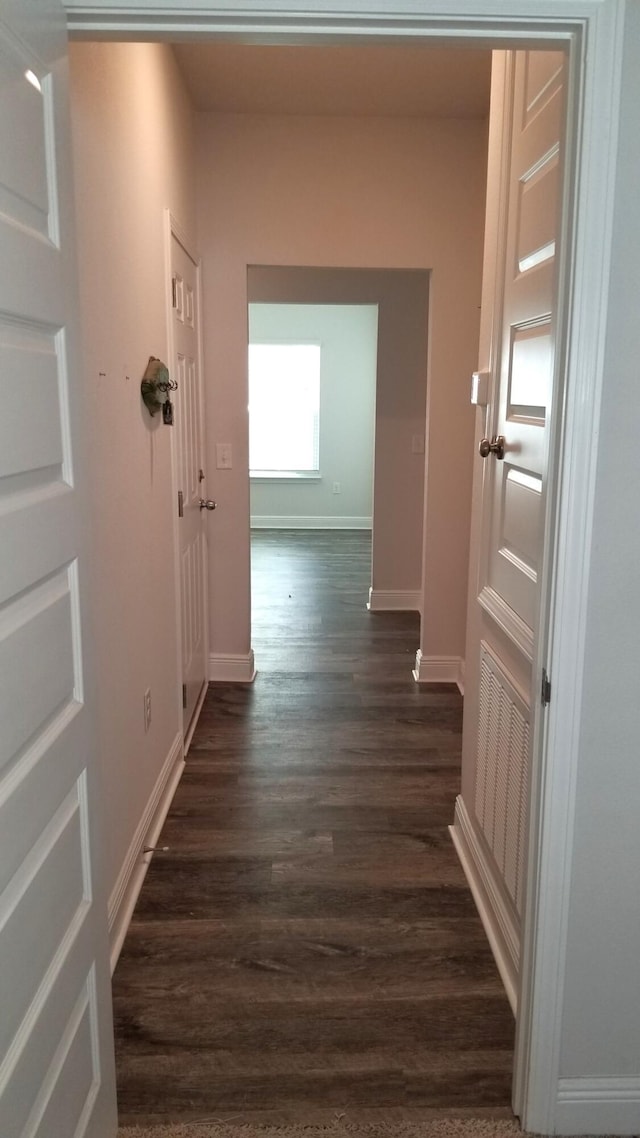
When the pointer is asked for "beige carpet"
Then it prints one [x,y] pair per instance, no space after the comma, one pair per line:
[440,1128]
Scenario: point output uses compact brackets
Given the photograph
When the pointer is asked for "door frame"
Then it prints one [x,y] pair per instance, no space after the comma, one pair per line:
[173,229]
[593,101]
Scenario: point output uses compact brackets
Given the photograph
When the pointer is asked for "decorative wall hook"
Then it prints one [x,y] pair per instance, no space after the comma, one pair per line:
[156,385]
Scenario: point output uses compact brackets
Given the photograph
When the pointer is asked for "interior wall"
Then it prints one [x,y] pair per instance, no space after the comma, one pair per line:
[401,394]
[133,156]
[354,193]
[348,335]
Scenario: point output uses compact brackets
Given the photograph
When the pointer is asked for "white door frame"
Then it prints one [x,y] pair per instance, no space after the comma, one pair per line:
[173,229]
[594,93]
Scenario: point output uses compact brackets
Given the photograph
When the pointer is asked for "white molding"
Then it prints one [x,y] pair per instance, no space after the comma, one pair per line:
[594,98]
[461,676]
[395,600]
[304,521]
[235,668]
[195,717]
[437,19]
[127,888]
[599,1105]
[508,620]
[497,919]
[439,670]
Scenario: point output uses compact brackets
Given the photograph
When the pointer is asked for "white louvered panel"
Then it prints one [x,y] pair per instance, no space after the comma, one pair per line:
[502,778]
[503,750]
[483,745]
[523,815]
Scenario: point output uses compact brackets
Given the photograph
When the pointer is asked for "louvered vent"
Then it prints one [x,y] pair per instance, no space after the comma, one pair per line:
[502,772]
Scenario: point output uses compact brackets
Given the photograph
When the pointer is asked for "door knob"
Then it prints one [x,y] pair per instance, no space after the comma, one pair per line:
[207,504]
[496,446]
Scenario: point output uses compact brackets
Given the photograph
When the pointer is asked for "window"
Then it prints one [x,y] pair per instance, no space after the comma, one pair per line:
[284,410]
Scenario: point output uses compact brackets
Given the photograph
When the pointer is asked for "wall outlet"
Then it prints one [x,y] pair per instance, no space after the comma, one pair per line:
[147,709]
[337,488]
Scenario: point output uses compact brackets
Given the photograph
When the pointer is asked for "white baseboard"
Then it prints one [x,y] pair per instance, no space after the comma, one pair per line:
[598,1106]
[439,670]
[498,921]
[194,719]
[127,888]
[232,668]
[308,522]
[395,600]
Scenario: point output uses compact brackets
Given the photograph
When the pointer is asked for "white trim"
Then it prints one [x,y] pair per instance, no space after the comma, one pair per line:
[363,20]
[394,600]
[561,633]
[439,670]
[599,1106]
[461,675]
[238,668]
[271,521]
[195,717]
[511,624]
[127,888]
[497,919]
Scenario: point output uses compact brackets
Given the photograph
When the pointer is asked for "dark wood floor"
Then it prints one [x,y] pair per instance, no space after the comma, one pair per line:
[309,943]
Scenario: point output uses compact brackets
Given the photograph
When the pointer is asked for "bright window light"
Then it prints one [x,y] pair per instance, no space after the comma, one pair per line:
[284,409]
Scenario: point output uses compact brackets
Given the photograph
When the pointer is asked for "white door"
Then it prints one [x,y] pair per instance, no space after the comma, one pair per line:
[189,464]
[510,488]
[56,1063]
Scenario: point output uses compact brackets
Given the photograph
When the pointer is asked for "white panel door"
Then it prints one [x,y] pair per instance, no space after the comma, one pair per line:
[189,457]
[519,343]
[56,1064]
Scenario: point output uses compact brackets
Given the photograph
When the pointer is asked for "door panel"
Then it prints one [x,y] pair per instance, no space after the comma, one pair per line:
[510,491]
[56,1061]
[189,443]
[523,397]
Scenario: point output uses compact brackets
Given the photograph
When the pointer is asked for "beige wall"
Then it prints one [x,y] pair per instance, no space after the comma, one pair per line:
[344,192]
[401,392]
[133,151]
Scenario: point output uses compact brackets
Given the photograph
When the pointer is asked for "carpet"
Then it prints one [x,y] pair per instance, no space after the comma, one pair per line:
[440,1128]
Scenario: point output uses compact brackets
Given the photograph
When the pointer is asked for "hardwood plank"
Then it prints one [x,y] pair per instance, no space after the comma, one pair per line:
[308,943]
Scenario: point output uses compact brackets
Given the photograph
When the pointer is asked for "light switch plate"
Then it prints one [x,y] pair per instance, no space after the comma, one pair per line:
[224,456]
[480,388]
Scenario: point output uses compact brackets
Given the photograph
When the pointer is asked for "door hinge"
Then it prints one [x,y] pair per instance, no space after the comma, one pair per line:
[180,504]
[545,689]
[184,695]
[174,293]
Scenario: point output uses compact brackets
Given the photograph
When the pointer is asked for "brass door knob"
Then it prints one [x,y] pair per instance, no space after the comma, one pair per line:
[207,504]
[496,446]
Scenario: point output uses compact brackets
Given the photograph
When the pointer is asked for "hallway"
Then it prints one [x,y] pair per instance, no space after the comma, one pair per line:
[308,944]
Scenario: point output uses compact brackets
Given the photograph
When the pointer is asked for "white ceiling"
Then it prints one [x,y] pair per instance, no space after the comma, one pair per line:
[342,79]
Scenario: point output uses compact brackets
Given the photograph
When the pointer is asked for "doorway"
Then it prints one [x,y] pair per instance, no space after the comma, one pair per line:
[568,631]
[396,499]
